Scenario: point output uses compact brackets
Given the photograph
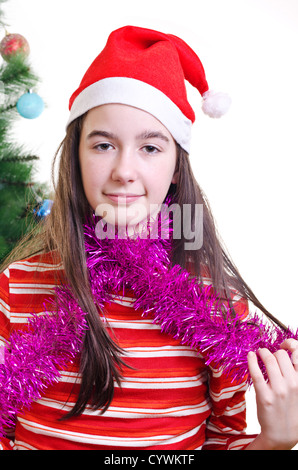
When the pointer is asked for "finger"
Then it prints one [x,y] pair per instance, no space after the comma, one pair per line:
[285,363]
[292,346]
[294,359]
[256,374]
[272,367]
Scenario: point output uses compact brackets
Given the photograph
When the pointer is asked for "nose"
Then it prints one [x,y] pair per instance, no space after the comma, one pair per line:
[125,168]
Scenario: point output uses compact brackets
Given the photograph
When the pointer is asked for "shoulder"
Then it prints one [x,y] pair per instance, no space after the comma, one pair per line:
[38,263]
[26,285]
[36,267]
[239,303]
[36,275]
[41,268]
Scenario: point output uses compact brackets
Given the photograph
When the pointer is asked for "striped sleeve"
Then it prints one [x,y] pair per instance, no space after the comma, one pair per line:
[5,443]
[4,307]
[226,426]
[21,293]
[225,429]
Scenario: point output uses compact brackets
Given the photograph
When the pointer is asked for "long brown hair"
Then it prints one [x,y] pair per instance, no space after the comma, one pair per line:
[62,233]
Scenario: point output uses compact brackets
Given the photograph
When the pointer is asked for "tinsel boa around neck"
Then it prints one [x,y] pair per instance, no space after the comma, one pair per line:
[185,309]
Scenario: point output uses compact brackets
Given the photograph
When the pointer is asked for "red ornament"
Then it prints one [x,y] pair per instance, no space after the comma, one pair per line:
[12,45]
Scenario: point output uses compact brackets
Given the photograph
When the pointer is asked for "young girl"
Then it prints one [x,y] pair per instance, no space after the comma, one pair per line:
[130,383]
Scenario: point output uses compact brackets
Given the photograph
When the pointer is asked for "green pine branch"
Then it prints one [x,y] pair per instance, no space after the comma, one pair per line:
[19,194]
[16,75]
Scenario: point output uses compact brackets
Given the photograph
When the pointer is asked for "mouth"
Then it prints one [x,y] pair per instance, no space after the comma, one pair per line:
[123,198]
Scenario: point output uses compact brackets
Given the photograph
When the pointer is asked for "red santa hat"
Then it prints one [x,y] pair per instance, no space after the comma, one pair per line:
[147,69]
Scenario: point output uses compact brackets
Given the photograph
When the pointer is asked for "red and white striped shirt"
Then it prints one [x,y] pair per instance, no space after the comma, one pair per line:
[169,399]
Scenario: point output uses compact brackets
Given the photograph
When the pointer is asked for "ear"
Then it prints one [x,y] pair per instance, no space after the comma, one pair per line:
[175,178]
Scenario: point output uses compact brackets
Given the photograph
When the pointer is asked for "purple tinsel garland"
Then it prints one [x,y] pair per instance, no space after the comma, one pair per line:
[184,308]
[181,306]
[33,358]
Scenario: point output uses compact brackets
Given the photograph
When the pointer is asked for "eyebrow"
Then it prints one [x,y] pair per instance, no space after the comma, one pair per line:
[142,136]
[96,133]
[153,135]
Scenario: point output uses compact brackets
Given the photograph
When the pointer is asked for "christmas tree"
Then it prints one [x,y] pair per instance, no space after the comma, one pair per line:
[19,195]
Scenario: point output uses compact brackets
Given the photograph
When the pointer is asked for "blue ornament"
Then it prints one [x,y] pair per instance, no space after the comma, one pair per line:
[30,105]
[43,209]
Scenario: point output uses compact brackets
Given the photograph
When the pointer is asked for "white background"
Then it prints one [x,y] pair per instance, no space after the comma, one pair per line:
[246,162]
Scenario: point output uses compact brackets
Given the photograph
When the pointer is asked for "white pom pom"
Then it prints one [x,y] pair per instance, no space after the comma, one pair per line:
[215,104]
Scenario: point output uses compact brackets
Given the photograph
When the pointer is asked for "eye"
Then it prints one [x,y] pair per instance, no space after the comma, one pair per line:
[103,147]
[150,149]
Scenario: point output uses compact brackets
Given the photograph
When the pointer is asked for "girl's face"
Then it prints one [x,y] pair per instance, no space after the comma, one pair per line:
[127,160]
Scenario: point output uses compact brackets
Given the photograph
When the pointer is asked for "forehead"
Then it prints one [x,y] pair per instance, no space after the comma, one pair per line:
[118,118]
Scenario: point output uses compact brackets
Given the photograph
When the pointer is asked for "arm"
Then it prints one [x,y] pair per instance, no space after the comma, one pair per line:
[5,442]
[225,429]
[277,400]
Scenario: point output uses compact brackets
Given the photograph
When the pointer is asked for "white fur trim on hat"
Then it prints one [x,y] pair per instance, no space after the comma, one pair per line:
[140,95]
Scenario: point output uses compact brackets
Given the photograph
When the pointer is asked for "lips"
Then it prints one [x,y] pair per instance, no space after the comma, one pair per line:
[124,198]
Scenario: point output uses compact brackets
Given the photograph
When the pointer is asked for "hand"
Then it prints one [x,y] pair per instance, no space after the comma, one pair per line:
[277,400]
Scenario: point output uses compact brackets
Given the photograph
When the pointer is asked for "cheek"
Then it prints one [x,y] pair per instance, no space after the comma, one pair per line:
[162,179]
[92,182]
